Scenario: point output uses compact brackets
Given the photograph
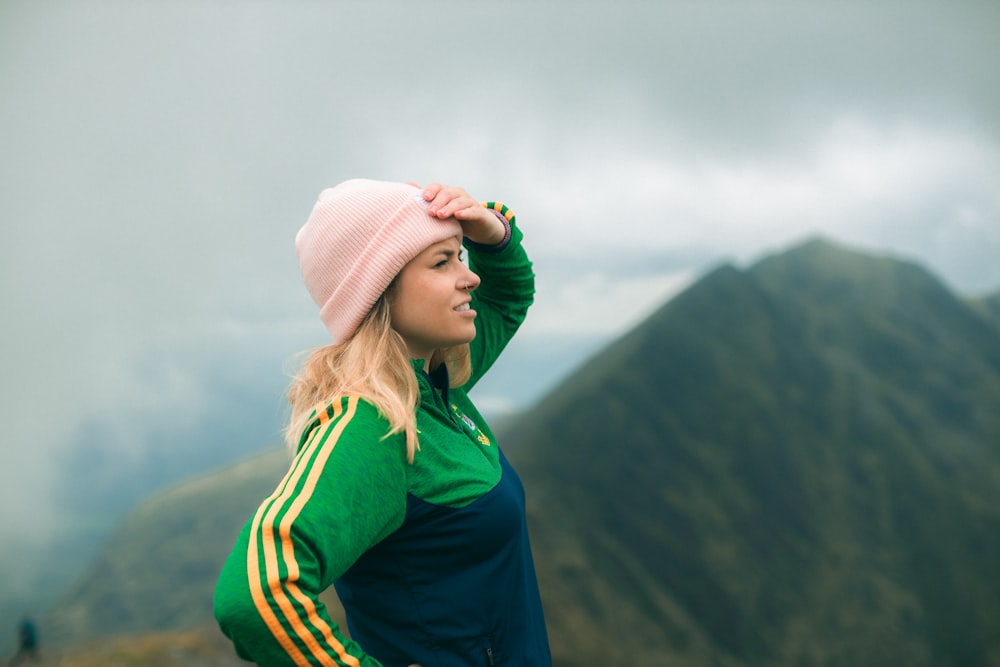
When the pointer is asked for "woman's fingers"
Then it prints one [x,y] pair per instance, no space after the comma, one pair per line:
[443,201]
[478,224]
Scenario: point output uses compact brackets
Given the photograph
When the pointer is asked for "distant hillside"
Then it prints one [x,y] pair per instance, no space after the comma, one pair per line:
[202,646]
[988,305]
[794,464]
[158,571]
[153,573]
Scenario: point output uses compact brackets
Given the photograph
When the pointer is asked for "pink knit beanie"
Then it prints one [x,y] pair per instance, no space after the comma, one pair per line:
[358,237]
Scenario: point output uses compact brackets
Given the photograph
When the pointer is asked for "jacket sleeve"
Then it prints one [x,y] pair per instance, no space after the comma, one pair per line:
[345,491]
[501,301]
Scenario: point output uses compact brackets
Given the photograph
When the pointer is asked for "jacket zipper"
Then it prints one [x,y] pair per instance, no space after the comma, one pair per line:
[489,656]
[442,405]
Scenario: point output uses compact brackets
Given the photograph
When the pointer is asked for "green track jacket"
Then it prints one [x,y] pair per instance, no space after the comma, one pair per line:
[424,555]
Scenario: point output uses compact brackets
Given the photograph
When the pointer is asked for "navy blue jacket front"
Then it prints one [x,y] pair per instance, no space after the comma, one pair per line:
[470,595]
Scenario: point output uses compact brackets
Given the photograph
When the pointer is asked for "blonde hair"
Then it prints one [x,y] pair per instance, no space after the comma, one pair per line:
[373,364]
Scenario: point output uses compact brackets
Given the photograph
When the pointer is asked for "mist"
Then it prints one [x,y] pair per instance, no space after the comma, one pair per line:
[158,159]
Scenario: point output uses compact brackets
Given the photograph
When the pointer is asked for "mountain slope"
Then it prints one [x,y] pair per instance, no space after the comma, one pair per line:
[159,568]
[988,305]
[793,464]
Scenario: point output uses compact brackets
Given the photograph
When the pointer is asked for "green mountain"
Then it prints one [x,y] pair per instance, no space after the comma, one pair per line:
[153,573]
[158,571]
[793,464]
[989,305]
[797,464]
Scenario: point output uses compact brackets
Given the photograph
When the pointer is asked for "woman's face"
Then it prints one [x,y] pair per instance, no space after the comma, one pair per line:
[429,306]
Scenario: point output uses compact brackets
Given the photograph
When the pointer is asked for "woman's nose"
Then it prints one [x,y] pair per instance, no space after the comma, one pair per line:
[470,282]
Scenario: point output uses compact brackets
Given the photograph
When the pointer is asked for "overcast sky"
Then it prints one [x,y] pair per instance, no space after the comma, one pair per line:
[158,157]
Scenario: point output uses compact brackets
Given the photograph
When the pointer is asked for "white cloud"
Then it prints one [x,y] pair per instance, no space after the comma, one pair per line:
[596,303]
[929,191]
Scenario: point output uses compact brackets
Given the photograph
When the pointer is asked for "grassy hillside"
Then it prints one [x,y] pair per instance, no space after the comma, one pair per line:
[153,573]
[988,305]
[796,464]
[202,646]
[158,570]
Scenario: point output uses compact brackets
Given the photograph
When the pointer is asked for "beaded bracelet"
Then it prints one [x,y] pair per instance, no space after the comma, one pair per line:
[504,215]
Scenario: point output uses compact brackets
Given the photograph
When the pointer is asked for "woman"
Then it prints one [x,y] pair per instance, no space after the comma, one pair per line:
[398,494]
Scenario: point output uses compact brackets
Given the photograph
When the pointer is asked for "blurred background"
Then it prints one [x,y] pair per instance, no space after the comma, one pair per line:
[158,157]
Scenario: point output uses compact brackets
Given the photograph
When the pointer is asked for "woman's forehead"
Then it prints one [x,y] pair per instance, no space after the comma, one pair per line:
[450,243]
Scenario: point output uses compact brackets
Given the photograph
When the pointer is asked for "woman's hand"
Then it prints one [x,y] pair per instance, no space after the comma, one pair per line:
[479,225]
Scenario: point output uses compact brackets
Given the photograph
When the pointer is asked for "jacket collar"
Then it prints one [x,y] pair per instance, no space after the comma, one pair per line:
[436,379]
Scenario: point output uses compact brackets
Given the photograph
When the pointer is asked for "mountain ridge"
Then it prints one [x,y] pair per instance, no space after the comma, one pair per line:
[787,372]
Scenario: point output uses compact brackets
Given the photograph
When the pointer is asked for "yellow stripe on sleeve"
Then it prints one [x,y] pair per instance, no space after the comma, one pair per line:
[262,536]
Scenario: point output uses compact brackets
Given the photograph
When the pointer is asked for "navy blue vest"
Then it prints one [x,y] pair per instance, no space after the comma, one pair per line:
[453,587]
